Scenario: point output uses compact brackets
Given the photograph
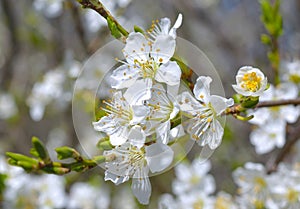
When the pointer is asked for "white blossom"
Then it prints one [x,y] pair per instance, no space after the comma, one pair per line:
[131,161]
[85,196]
[122,121]
[250,82]
[268,136]
[8,107]
[193,177]
[148,59]
[204,111]
[292,72]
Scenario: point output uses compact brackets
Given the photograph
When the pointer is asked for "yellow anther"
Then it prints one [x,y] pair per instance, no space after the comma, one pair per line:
[251,82]
[160,60]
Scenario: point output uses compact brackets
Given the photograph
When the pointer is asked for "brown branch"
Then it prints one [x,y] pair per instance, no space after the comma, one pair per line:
[236,109]
[100,9]
[293,138]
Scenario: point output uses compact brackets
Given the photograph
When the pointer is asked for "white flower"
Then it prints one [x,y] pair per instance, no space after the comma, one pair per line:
[196,199]
[8,107]
[162,27]
[122,121]
[250,82]
[204,126]
[288,113]
[44,192]
[193,177]
[147,59]
[167,201]
[252,180]
[292,73]
[85,196]
[130,161]
[163,107]
[44,92]
[268,136]
[224,201]
[285,189]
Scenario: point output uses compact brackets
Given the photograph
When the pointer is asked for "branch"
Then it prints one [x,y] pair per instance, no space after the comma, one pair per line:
[293,138]
[100,9]
[236,109]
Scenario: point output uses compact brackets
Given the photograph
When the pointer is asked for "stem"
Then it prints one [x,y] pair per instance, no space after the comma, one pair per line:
[293,138]
[238,108]
[100,9]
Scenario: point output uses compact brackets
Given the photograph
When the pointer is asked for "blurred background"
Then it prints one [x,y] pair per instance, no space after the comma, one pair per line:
[44,44]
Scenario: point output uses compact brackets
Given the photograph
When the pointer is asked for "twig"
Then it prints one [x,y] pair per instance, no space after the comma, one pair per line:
[100,9]
[293,138]
[236,109]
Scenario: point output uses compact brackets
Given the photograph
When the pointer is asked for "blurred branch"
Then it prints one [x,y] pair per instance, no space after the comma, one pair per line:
[11,23]
[294,136]
[78,24]
[100,9]
[236,109]
[42,162]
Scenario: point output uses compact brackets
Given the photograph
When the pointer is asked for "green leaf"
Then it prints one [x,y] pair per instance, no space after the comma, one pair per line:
[138,29]
[249,102]
[113,28]
[40,150]
[3,178]
[67,152]
[56,170]
[265,39]
[19,157]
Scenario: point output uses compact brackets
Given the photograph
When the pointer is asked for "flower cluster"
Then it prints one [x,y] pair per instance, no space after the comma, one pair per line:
[270,122]
[194,187]
[148,97]
[259,190]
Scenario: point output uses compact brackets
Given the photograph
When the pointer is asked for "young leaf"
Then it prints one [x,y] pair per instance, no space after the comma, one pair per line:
[113,28]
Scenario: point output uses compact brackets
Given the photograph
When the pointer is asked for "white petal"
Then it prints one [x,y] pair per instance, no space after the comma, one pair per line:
[159,156]
[260,116]
[163,49]
[216,130]
[105,124]
[141,187]
[188,103]
[163,132]
[261,141]
[201,168]
[123,77]
[241,91]
[290,113]
[139,92]
[137,137]
[120,136]
[286,91]
[140,112]
[116,179]
[168,73]
[176,26]
[202,89]
[164,25]
[220,103]
[136,48]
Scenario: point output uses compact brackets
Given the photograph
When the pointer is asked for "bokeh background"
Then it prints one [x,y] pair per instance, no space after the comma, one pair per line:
[44,44]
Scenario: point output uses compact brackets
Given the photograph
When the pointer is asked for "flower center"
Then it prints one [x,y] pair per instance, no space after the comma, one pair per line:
[251,82]
[118,112]
[136,157]
[295,78]
[199,204]
[292,195]
[148,68]
[260,184]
